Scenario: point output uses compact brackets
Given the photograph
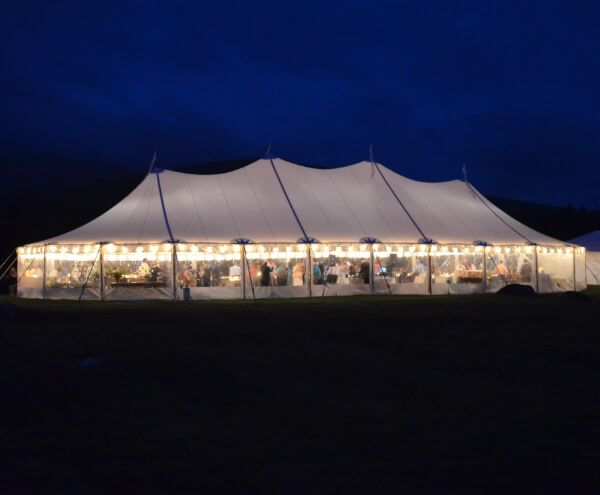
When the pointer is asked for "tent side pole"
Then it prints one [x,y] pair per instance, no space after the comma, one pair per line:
[309,270]
[484,271]
[372,270]
[585,266]
[429,274]
[101,272]
[574,270]
[243,264]
[44,280]
[174,270]
[535,262]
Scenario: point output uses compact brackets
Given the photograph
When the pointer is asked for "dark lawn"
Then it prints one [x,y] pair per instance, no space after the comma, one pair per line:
[481,394]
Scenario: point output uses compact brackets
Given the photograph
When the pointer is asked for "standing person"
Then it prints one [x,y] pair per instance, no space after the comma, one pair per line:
[364,271]
[526,271]
[317,274]
[299,274]
[12,281]
[265,275]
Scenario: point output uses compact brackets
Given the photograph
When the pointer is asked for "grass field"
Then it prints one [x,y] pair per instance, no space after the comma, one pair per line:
[481,394]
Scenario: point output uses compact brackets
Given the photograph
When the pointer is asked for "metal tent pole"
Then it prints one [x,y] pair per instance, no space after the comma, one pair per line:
[44,281]
[309,270]
[484,270]
[244,268]
[101,272]
[574,269]
[535,262]
[429,274]
[585,266]
[372,271]
[174,270]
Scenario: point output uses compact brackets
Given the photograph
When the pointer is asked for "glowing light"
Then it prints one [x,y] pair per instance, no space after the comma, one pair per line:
[111,248]
[21,250]
[261,249]
[559,251]
[209,249]
[412,249]
[434,248]
[528,250]
[63,249]
[350,249]
[222,249]
[28,250]
[507,250]
[139,249]
[75,250]
[195,249]
[87,249]
[498,250]
[455,250]
[249,248]
[275,249]
[363,247]
[288,249]
[518,249]
[181,247]
[388,249]
[478,249]
[236,248]
[124,249]
[154,248]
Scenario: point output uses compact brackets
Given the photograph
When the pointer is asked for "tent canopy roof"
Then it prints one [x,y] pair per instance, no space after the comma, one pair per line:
[589,241]
[272,200]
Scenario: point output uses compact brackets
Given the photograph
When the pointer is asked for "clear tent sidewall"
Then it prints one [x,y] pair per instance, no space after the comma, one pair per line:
[233,271]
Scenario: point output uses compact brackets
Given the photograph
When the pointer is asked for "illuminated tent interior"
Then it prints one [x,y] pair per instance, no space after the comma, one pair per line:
[591,242]
[360,229]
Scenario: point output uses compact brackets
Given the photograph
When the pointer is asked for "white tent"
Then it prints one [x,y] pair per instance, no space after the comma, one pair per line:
[366,228]
[591,242]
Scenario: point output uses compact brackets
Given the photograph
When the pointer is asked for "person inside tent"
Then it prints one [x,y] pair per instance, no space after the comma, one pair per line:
[155,271]
[143,270]
[298,274]
[186,277]
[501,269]
[317,274]
[364,271]
[526,270]
[265,274]
[235,270]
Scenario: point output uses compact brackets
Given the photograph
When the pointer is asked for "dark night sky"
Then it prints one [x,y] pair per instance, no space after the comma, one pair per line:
[509,88]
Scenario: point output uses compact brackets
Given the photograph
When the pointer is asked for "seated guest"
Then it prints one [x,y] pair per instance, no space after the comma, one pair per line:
[420,267]
[143,270]
[155,271]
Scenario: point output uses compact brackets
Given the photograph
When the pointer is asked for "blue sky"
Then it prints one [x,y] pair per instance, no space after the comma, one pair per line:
[509,88]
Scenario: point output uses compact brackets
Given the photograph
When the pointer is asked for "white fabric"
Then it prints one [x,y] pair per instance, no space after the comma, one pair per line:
[343,204]
[592,262]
